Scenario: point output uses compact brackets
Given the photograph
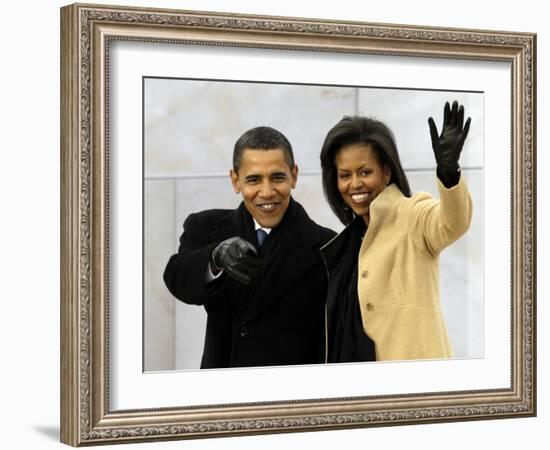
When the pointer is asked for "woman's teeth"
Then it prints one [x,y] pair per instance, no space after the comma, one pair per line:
[359,198]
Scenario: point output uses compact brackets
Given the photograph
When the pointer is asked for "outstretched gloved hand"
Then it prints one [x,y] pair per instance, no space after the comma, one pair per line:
[238,258]
[448,145]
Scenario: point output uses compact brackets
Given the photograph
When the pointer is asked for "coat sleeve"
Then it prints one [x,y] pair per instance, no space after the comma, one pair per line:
[185,272]
[439,223]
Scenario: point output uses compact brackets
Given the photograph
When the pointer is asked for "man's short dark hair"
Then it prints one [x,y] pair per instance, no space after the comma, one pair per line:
[359,130]
[262,138]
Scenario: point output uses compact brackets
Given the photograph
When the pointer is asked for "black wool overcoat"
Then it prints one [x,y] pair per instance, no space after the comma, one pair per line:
[279,319]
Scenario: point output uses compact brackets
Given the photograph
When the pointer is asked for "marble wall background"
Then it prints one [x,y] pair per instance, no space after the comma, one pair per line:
[190,127]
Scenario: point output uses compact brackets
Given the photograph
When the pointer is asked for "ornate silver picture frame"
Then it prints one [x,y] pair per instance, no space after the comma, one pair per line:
[89,413]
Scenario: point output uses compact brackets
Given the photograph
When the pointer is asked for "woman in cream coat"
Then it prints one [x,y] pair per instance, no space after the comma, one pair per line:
[383,296]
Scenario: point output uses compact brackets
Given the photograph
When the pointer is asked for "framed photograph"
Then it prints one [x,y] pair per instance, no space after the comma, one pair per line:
[175,173]
[153,102]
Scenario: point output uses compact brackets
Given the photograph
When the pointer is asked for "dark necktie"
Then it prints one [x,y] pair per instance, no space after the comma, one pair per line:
[260,235]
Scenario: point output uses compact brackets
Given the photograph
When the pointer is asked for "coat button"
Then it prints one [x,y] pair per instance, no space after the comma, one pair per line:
[243,332]
[365,274]
[370,306]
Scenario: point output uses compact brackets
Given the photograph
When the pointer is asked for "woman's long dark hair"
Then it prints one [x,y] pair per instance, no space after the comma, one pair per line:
[359,130]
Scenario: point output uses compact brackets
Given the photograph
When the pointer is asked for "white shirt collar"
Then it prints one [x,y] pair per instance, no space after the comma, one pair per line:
[257,226]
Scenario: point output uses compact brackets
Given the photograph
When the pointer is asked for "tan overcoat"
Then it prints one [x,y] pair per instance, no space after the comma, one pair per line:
[398,277]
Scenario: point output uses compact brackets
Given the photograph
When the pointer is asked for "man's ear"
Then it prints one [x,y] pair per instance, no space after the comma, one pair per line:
[294,173]
[235,181]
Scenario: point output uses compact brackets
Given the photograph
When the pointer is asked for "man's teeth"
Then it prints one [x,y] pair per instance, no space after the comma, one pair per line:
[358,198]
[267,206]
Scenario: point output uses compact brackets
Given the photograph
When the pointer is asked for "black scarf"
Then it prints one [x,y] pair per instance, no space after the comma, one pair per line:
[347,339]
[270,249]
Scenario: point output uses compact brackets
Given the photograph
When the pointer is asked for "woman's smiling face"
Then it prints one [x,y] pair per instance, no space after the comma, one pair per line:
[360,177]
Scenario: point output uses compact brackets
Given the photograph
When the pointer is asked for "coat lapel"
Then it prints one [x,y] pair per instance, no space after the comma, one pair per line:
[383,209]
[284,267]
[293,256]
[237,223]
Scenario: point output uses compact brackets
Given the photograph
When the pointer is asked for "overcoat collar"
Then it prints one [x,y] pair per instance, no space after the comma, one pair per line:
[297,252]
[237,223]
[383,209]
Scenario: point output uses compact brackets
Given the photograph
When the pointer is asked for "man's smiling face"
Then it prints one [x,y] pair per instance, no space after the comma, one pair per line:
[265,181]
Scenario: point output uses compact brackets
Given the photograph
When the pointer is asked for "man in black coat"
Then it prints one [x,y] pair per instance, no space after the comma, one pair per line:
[257,270]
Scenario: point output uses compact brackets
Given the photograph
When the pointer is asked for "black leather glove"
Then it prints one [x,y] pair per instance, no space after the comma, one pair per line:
[448,146]
[238,258]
